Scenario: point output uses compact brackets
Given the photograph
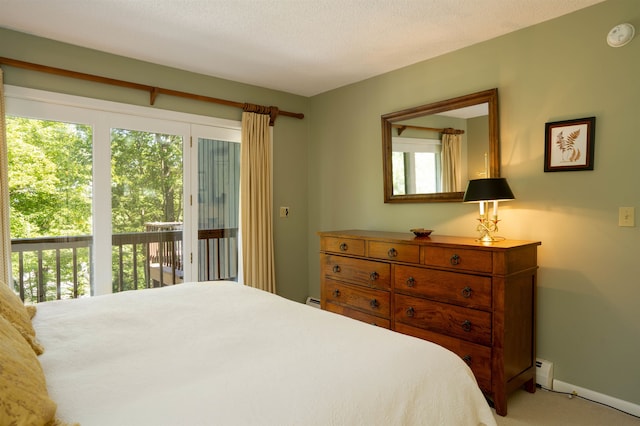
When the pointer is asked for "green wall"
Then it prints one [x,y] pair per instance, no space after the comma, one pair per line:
[290,134]
[589,277]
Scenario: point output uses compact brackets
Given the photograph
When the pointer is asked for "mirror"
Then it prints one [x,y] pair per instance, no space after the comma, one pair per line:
[430,152]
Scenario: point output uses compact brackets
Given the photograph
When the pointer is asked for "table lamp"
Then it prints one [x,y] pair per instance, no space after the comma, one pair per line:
[484,191]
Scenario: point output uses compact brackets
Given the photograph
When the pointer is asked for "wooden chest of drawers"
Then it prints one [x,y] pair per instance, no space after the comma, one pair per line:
[476,300]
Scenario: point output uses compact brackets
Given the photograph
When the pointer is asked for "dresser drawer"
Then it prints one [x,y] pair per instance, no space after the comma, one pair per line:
[399,252]
[371,301]
[357,271]
[350,246]
[461,289]
[465,323]
[457,258]
[358,315]
[477,357]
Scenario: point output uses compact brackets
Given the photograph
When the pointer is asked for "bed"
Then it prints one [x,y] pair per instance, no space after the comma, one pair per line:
[219,353]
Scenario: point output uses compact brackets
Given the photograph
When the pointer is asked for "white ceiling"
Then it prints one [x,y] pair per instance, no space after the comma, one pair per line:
[303,47]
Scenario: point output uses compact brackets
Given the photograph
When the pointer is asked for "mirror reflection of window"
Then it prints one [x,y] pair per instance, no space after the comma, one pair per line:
[416,165]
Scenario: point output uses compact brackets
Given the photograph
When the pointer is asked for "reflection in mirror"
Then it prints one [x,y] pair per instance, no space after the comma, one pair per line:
[432,151]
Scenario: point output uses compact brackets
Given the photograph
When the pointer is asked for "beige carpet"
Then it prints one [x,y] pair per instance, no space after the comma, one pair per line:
[548,408]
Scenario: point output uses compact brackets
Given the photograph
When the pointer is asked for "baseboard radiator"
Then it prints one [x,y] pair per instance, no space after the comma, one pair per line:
[544,378]
[544,373]
[312,301]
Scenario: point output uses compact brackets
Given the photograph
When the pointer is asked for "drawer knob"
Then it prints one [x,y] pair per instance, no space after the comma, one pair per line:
[392,252]
[467,359]
[373,276]
[344,247]
[466,326]
[455,259]
[466,292]
[336,269]
[410,311]
[374,303]
[411,282]
[336,293]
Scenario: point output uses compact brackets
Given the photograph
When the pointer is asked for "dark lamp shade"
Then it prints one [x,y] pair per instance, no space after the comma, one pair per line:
[490,189]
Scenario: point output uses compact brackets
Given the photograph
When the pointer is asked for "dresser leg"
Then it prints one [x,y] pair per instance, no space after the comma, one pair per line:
[500,404]
[530,386]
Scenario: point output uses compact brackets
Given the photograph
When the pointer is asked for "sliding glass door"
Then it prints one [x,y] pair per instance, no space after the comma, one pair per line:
[143,197]
[146,209]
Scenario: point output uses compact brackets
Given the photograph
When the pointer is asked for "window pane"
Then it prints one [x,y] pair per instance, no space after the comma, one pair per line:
[415,172]
[50,191]
[426,173]
[218,207]
[146,207]
[399,182]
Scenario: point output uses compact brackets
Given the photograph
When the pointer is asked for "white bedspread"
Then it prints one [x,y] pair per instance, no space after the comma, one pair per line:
[225,354]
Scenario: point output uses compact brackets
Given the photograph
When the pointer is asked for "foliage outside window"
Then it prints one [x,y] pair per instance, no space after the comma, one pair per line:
[50,181]
[51,190]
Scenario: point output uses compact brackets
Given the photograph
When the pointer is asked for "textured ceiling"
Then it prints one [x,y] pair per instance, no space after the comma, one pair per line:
[303,47]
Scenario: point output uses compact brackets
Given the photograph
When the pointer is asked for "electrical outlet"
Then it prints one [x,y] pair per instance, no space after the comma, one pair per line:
[284,211]
[626,216]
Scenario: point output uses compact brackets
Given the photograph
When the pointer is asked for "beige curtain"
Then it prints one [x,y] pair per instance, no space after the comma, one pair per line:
[451,163]
[256,202]
[5,235]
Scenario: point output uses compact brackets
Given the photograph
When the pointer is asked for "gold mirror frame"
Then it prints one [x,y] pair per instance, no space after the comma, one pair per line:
[488,96]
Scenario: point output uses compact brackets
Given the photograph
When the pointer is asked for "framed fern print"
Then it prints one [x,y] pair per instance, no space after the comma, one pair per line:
[569,145]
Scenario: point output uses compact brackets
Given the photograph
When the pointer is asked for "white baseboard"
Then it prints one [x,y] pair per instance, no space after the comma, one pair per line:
[621,405]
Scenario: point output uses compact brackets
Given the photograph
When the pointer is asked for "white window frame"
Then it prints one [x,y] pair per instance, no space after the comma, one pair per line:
[105,115]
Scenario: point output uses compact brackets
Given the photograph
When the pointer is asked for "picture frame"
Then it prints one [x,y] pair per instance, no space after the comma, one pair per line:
[569,145]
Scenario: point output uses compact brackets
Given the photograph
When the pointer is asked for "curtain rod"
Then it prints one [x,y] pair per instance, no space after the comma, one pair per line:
[448,130]
[272,111]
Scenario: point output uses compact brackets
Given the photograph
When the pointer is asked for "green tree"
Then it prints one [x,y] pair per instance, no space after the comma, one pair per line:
[146,179]
[49,178]
[146,186]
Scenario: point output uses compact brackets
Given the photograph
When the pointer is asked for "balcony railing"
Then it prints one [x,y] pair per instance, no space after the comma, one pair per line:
[58,267]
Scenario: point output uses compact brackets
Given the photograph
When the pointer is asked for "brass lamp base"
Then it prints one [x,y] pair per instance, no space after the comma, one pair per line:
[486,228]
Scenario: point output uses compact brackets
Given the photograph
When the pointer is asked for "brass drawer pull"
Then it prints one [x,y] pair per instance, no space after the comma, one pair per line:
[466,292]
[392,252]
[467,359]
[410,312]
[336,269]
[411,282]
[466,326]
[455,260]
[374,304]
[336,293]
[344,247]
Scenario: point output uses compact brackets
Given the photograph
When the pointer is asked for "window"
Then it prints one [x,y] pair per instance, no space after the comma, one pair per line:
[416,166]
[128,194]
[50,181]
[218,207]
[146,197]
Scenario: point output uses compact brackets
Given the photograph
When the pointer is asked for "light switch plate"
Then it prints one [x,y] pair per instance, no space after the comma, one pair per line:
[626,216]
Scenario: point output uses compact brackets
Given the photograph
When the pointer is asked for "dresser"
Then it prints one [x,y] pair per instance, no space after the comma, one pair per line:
[477,300]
